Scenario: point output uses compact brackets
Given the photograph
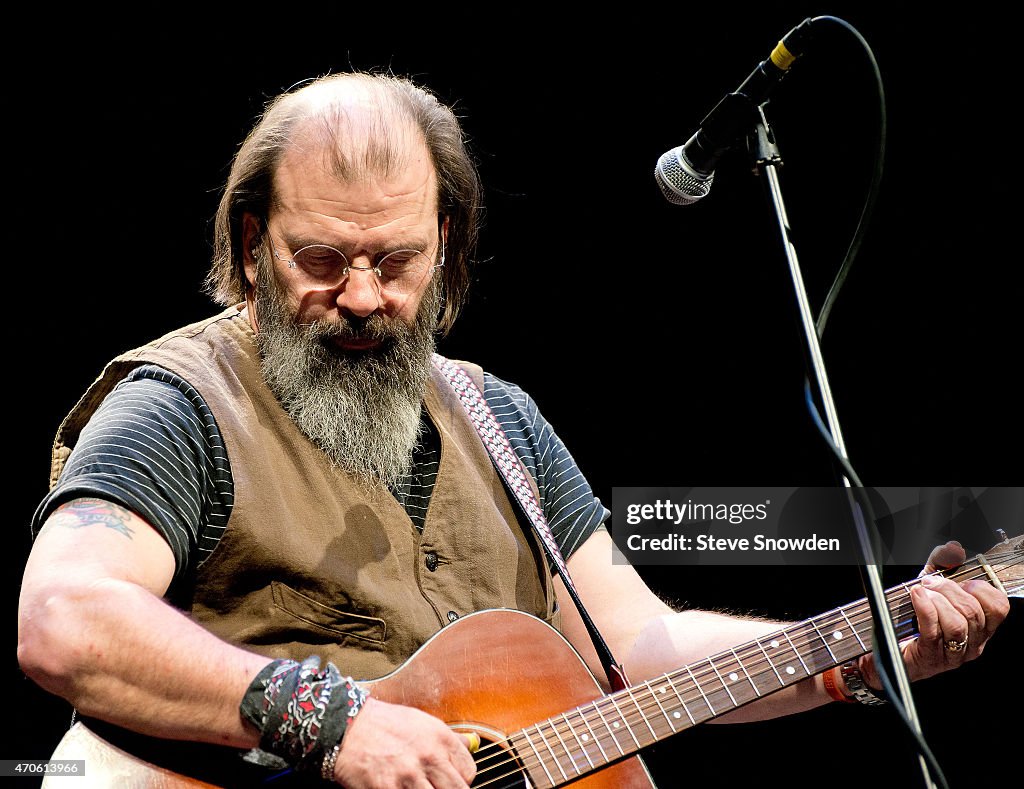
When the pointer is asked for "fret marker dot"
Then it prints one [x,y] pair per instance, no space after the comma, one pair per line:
[585,737]
[774,644]
[837,634]
[663,690]
[734,676]
[790,670]
[676,715]
[615,725]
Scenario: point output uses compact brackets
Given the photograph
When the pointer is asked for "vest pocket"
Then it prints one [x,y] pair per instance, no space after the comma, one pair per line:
[339,623]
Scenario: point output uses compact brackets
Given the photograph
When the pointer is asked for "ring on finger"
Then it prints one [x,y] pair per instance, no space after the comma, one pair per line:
[952,645]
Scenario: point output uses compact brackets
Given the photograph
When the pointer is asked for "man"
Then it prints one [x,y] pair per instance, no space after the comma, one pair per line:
[296,477]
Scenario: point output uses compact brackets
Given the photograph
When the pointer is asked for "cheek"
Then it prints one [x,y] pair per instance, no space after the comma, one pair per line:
[407,311]
[307,307]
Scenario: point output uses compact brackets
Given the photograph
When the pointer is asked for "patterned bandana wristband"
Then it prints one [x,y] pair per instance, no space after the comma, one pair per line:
[301,710]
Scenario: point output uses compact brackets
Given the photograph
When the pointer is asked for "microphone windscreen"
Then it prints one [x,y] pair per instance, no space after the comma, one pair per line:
[679,183]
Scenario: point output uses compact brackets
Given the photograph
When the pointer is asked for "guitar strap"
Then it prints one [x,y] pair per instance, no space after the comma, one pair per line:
[511,469]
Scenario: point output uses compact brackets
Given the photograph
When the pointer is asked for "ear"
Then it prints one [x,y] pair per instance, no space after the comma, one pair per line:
[251,238]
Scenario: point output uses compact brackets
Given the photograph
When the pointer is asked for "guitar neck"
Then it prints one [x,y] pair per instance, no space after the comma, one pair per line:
[591,736]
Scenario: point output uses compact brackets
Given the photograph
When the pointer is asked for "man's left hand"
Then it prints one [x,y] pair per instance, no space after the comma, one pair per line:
[955,619]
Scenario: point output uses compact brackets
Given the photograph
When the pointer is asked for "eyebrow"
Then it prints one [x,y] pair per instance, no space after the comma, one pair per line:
[295,243]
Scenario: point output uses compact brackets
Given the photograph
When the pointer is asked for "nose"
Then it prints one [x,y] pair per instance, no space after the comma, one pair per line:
[360,293]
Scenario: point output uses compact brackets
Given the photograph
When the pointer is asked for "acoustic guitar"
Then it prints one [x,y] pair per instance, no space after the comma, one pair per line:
[544,719]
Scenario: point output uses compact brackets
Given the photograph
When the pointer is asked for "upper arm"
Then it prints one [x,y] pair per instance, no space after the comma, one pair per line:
[153,448]
[87,540]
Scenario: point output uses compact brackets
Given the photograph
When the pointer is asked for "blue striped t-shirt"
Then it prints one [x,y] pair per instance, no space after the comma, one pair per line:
[153,447]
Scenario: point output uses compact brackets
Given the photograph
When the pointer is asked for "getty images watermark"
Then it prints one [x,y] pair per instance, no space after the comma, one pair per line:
[806,525]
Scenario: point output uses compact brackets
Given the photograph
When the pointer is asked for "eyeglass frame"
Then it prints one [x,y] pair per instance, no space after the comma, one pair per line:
[349,265]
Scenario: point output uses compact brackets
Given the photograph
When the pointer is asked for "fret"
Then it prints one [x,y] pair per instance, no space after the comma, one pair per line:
[701,690]
[842,647]
[717,674]
[797,653]
[622,718]
[654,695]
[643,716]
[593,734]
[908,606]
[824,640]
[572,761]
[770,663]
[581,740]
[539,759]
[746,673]
[547,745]
[685,708]
[604,720]
[859,640]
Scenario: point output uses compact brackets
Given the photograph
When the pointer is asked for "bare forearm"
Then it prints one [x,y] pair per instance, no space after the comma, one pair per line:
[119,653]
[673,640]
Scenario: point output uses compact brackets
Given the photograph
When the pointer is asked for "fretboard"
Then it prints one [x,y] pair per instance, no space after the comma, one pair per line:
[577,742]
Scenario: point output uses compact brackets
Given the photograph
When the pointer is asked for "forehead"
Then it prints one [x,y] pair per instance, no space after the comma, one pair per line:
[338,191]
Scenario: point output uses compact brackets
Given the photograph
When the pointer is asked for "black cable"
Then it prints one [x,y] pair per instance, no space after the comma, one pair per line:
[882,658]
[876,178]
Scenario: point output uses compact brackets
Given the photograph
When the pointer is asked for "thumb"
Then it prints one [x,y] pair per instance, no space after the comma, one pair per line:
[942,557]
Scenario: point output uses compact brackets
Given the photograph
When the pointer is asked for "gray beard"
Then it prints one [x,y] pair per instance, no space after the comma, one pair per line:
[362,408]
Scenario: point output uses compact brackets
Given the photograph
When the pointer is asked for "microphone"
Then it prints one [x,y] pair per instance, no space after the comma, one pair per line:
[685,173]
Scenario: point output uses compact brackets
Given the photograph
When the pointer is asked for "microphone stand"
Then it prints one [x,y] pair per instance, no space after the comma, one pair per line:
[767,159]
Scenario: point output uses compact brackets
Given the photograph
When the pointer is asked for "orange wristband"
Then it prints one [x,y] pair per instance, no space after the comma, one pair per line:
[829,678]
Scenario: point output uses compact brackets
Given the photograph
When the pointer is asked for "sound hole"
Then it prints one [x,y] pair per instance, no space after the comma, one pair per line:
[497,767]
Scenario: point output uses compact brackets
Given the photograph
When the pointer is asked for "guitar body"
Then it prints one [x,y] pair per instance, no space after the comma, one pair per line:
[493,673]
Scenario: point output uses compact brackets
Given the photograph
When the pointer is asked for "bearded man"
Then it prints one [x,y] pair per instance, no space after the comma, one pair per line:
[254,515]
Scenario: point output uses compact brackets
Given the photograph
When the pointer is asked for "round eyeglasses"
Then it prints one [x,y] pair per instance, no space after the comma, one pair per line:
[322,267]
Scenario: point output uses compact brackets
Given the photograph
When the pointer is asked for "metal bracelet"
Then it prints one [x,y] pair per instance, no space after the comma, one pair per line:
[857,686]
[327,769]
[357,696]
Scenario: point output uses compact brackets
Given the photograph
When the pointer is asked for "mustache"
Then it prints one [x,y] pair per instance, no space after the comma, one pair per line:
[372,327]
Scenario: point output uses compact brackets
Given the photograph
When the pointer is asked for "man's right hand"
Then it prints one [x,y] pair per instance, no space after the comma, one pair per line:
[388,745]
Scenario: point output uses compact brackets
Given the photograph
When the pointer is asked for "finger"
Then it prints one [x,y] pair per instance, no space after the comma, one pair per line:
[444,774]
[461,760]
[929,642]
[963,601]
[958,623]
[472,741]
[994,603]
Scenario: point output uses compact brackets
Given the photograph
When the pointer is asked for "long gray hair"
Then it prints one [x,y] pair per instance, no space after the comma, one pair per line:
[403,105]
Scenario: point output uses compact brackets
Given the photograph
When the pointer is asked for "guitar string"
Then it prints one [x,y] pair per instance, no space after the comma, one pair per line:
[898,593]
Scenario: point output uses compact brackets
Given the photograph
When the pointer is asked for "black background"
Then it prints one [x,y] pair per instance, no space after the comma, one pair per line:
[662,342]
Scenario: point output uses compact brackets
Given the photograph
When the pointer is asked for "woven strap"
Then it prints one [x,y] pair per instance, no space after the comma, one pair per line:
[506,461]
[511,469]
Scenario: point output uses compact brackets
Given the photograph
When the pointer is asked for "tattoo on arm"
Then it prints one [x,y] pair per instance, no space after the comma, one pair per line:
[85,512]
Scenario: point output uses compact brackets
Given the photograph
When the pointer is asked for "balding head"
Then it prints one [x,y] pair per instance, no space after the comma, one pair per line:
[363,125]
[358,123]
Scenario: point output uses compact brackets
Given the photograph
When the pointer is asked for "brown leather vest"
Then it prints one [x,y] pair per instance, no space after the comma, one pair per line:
[311,563]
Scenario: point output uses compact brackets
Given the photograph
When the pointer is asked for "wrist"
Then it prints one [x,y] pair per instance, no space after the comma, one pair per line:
[355,698]
[835,687]
[856,687]
[302,711]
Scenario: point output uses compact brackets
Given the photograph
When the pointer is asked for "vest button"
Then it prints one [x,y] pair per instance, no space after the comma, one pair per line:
[452,616]
[431,561]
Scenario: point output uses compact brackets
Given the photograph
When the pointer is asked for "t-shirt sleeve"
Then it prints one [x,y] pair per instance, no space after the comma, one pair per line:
[153,447]
[572,510]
